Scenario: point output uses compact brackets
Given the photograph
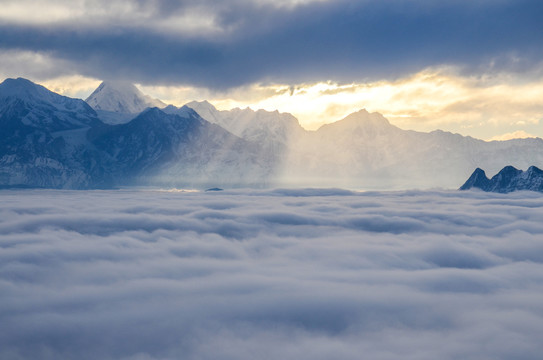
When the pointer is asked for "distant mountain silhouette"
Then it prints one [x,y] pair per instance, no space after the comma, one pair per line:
[509,179]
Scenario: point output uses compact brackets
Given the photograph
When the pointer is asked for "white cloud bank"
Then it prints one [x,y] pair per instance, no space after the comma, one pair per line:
[284,274]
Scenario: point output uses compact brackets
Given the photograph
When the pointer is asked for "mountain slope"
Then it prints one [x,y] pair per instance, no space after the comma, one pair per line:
[273,130]
[23,103]
[365,151]
[42,142]
[56,142]
[171,150]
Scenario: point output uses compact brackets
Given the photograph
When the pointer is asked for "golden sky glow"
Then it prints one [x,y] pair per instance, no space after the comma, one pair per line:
[494,107]
[484,106]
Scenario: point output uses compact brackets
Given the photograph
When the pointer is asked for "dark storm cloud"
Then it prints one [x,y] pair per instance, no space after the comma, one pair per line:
[337,40]
[312,274]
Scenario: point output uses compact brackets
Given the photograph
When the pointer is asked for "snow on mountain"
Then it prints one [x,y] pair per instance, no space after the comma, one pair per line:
[44,145]
[48,140]
[509,179]
[266,127]
[270,133]
[23,103]
[206,110]
[42,142]
[121,97]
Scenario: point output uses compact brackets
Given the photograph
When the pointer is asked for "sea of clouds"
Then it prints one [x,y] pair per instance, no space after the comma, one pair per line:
[283,274]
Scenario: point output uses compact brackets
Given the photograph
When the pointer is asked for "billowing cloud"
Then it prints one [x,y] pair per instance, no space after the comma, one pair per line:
[233,43]
[290,274]
[35,65]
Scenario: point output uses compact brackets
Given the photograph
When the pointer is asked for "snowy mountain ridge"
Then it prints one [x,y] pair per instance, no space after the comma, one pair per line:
[259,125]
[49,140]
[25,104]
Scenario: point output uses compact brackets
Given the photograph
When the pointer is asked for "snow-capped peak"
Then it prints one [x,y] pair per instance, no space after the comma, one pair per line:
[258,126]
[32,105]
[207,111]
[121,97]
[25,89]
[37,95]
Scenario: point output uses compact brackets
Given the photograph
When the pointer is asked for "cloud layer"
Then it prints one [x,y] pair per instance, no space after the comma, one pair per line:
[290,274]
[231,43]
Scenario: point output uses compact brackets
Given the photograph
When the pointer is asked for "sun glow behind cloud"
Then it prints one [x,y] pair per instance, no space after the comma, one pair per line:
[482,106]
[424,101]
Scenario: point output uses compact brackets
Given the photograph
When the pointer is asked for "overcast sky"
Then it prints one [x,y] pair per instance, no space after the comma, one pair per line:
[275,54]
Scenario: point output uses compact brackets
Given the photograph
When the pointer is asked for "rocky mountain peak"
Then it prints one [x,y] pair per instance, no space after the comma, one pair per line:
[507,180]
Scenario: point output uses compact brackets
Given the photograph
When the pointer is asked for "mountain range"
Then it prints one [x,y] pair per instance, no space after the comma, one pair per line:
[121,137]
[509,179]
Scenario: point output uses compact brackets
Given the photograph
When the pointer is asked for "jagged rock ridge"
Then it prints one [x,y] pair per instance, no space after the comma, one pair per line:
[509,179]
